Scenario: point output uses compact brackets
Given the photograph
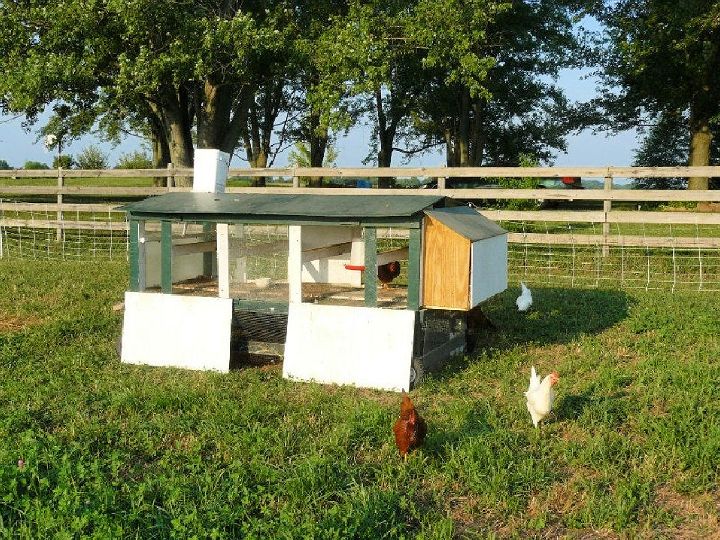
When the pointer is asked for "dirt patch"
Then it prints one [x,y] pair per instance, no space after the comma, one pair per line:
[698,515]
[10,323]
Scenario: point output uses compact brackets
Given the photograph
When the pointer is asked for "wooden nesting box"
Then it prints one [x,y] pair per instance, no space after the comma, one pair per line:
[464,258]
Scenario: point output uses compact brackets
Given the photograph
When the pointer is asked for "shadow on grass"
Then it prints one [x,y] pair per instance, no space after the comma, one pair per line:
[557,316]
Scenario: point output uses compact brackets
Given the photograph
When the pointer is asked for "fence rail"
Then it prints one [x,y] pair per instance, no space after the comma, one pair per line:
[606,217]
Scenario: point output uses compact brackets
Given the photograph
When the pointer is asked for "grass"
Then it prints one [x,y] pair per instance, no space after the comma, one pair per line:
[111,450]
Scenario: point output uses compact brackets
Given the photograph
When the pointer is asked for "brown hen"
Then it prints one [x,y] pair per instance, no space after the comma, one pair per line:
[387,272]
[410,428]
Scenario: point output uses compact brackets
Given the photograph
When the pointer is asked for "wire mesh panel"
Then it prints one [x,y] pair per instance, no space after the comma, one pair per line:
[40,233]
[258,262]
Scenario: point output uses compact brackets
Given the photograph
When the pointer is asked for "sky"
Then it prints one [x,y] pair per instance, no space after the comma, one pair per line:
[586,149]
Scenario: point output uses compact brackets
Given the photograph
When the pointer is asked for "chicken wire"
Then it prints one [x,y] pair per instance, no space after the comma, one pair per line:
[38,234]
[595,265]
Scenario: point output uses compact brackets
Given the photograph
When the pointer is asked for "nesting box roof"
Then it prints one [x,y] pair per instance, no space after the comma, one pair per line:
[467,222]
[282,207]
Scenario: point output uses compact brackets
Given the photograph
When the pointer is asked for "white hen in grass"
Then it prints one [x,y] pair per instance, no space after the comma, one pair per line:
[524,301]
[540,395]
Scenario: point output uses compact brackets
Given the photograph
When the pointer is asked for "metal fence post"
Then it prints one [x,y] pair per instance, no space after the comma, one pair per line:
[60,185]
[607,206]
[170,178]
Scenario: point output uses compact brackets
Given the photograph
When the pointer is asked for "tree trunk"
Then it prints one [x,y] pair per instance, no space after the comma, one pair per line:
[160,149]
[318,143]
[700,140]
[386,137]
[463,135]
[177,127]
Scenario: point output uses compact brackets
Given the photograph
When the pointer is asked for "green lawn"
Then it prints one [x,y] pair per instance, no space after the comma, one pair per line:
[111,450]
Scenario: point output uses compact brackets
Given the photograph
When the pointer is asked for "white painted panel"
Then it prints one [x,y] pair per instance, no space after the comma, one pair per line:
[211,170]
[294,273]
[223,259]
[488,268]
[185,267]
[331,270]
[360,346]
[179,331]
[316,236]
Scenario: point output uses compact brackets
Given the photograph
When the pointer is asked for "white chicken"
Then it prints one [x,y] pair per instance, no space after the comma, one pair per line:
[524,301]
[540,395]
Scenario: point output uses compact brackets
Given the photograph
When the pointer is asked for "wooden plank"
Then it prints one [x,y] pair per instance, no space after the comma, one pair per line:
[223,259]
[53,207]
[446,267]
[694,218]
[370,272]
[197,247]
[385,172]
[166,257]
[134,254]
[569,216]
[295,263]
[492,193]
[90,173]
[325,251]
[53,223]
[614,240]
[414,269]
[87,190]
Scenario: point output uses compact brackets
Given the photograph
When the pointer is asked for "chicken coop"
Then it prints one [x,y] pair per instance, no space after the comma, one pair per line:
[365,290]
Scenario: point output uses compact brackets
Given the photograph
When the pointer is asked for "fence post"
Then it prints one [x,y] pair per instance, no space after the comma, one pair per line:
[607,206]
[441,182]
[60,185]
[296,182]
[170,178]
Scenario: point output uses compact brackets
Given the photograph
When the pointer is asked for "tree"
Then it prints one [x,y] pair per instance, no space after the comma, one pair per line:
[134,160]
[664,57]
[92,158]
[35,166]
[4,165]
[181,68]
[64,160]
[666,145]
[507,105]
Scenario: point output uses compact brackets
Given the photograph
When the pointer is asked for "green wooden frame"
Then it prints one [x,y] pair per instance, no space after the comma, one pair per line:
[370,272]
[166,256]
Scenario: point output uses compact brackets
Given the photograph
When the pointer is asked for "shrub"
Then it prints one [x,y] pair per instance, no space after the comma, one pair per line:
[66,162]
[134,160]
[92,158]
[35,166]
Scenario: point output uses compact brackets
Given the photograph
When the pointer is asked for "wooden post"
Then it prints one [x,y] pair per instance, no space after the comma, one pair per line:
[441,182]
[170,178]
[370,272]
[223,259]
[607,206]
[137,244]
[296,181]
[166,256]
[60,184]
[414,256]
[294,273]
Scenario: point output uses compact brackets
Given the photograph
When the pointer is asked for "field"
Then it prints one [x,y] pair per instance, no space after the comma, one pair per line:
[90,447]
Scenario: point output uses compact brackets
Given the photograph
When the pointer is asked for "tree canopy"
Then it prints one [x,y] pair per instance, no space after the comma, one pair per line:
[663,62]
[256,76]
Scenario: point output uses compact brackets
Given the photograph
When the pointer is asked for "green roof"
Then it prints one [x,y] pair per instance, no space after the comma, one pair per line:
[283,208]
[467,222]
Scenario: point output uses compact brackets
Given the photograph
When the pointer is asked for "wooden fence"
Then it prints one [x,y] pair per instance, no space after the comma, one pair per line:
[63,210]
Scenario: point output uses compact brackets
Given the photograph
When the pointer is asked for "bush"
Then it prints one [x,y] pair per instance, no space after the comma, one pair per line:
[66,162]
[4,165]
[134,160]
[92,158]
[35,166]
